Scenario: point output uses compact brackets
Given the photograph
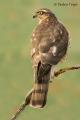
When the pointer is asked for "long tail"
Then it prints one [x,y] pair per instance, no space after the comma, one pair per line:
[39,95]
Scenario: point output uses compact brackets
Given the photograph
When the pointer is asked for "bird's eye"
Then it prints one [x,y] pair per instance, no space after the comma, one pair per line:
[41,13]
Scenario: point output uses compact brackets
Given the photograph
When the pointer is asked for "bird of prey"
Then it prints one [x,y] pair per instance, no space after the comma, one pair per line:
[49,46]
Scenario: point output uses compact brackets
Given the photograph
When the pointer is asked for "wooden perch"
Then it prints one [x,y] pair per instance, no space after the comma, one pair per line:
[27,99]
[57,73]
[23,105]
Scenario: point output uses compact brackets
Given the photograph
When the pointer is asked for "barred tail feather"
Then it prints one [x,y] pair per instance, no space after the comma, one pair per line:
[39,95]
[42,77]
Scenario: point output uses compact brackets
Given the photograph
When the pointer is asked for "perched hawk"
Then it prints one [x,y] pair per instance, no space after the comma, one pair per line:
[49,46]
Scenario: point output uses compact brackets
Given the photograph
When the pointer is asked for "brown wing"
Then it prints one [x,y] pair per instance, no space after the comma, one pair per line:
[50,44]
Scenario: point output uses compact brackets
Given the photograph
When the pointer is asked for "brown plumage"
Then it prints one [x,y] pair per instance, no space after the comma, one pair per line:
[49,46]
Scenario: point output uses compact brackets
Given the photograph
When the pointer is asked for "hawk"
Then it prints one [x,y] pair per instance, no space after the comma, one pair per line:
[49,46]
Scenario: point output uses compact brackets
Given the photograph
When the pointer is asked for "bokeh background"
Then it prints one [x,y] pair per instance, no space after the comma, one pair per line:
[16,77]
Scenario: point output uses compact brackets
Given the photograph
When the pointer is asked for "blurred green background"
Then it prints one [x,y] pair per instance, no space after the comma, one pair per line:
[16,78]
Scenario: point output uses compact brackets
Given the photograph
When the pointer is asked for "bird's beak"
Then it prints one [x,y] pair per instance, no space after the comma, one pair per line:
[34,16]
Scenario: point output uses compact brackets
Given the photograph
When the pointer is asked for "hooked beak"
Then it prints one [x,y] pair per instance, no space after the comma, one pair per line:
[34,16]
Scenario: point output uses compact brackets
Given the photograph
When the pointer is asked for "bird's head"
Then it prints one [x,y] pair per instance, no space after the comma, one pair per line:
[42,14]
